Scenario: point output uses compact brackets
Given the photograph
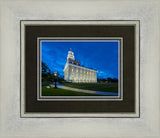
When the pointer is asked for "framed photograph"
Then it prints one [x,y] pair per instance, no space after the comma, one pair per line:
[80,68]
[48,46]
[68,79]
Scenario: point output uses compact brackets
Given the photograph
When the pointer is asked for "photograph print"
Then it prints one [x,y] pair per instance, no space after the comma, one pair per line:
[80,68]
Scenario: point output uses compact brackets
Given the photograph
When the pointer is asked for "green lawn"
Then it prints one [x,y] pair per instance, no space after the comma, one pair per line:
[106,87]
[62,92]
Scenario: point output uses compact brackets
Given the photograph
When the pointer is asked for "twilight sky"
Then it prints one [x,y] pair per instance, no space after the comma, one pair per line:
[99,55]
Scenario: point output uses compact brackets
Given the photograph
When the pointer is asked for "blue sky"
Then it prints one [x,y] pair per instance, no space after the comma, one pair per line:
[99,55]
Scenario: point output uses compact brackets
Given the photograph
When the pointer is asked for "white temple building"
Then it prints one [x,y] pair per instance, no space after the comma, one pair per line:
[74,72]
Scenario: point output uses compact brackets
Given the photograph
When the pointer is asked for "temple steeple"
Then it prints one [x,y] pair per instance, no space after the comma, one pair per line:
[70,55]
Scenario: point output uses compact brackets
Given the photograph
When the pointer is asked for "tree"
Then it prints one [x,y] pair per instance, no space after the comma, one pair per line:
[45,68]
[49,77]
[114,80]
[46,73]
[109,79]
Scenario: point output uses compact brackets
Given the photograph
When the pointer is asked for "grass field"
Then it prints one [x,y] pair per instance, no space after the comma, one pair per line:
[62,92]
[105,87]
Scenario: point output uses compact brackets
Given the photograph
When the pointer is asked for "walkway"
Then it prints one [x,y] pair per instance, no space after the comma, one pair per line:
[88,91]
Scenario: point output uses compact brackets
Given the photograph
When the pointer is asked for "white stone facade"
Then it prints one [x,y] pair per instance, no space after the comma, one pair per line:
[73,72]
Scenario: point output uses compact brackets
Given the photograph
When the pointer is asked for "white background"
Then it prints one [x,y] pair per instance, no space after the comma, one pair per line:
[12,11]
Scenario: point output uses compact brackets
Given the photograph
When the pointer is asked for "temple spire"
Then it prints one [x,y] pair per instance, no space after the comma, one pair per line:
[70,55]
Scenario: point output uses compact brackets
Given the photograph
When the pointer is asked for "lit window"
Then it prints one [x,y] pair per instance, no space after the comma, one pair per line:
[84,72]
[81,71]
[87,72]
[72,70]
[77,71]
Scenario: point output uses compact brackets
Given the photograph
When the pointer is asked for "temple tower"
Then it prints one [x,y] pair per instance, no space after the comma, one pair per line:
[74,72]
